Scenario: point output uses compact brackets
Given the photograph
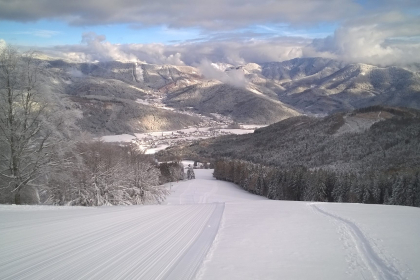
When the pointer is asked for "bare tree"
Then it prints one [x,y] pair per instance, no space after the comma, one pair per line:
[26,130]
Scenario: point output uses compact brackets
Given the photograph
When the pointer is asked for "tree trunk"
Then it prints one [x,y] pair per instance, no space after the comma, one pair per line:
[17,197]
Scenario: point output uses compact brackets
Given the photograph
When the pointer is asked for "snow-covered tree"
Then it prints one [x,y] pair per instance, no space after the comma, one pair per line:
[398,191]
[28,123]
[106,174]
[143,180]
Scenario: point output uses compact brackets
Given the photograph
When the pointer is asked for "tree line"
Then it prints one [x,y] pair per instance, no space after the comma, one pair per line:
[299,183]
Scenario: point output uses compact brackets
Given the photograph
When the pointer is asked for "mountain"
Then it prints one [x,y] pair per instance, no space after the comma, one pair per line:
[319,85]
[120,97]
[109,99]
[116,97]
[102,116]
[241,104]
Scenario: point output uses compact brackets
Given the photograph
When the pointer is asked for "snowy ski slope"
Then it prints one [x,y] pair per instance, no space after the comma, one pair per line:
[210,229]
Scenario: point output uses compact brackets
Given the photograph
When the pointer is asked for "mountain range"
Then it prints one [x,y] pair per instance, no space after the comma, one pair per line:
[125,97]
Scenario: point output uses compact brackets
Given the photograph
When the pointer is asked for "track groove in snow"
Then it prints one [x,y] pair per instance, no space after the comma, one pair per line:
[143,242]
[379,268]
[189,264]
[259,238]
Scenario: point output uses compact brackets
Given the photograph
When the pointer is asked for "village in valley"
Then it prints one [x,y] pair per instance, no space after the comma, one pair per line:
[213,125]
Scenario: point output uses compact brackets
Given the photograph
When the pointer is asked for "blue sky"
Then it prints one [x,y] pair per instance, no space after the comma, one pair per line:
[186,31]
[54,32]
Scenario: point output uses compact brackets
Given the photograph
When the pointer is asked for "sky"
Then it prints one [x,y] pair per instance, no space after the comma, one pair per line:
[186,32]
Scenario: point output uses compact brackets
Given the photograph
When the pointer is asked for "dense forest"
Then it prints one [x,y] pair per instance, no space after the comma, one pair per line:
[303,184]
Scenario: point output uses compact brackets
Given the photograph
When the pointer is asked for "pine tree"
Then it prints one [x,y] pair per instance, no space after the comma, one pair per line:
[398,191]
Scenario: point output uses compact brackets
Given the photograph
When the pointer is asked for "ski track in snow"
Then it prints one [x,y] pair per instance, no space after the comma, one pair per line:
[379,268]
[145,242]
[190,263]
[191,237]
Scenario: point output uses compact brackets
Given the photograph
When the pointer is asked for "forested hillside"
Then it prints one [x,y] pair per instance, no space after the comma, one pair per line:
[345,157]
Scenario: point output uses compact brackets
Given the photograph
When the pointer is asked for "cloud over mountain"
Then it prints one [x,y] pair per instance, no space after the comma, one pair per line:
[370,43]
[386,39]
[95,47]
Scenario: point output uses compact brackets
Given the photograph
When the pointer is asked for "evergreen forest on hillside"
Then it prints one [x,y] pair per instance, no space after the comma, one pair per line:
[311,159]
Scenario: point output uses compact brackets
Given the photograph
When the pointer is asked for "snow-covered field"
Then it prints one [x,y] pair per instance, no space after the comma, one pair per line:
[179,133]
[210,229]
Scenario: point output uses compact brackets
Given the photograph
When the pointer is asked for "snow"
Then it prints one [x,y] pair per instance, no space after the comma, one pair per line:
[155,103]
[389,231]
[145,242]
[272,240]
[209,229]
[149,151]
[118,138]
[254,90]
[253,126]
[206,189]
[357,124]
[142,101]
[237,131]
[152,142]
[247,129]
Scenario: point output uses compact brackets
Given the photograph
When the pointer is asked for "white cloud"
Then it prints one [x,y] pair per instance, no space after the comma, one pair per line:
[75,73]
[234,77]
[95,48]
[387,39]
[43,33]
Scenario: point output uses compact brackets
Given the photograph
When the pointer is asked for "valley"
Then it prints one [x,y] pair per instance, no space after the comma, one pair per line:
[153,142]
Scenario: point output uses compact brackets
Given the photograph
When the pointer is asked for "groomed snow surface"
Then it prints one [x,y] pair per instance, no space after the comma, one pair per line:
[210,229]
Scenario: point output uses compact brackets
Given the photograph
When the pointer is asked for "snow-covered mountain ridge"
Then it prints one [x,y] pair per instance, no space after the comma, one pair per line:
[251,93]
